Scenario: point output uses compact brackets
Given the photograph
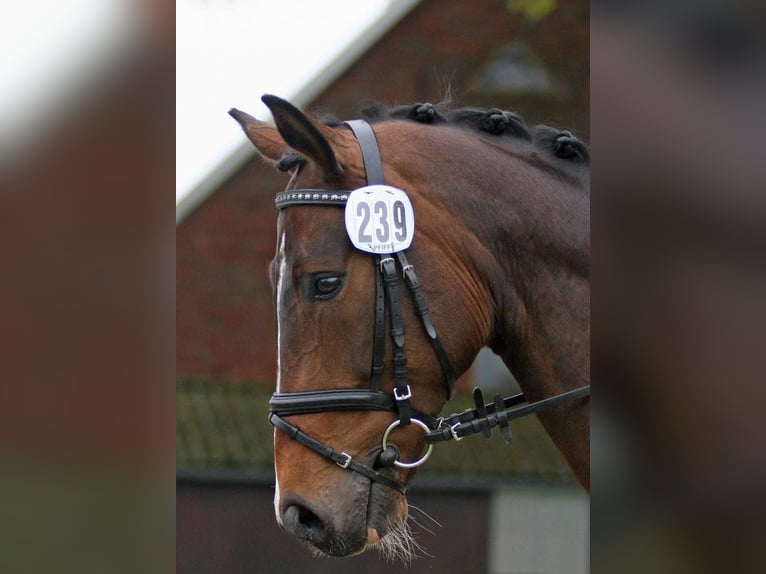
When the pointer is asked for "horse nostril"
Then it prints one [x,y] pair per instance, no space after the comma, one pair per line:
[300,521]
[332,533]
[309,520]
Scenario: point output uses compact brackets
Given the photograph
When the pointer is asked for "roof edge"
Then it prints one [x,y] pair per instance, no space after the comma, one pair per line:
[302,98]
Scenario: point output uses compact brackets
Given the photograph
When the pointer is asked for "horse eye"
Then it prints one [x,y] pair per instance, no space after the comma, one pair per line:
[327,286]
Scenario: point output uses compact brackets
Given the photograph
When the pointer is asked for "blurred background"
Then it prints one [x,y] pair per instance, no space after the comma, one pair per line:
[88,143]
[502,509]
[87,153]
[679,286]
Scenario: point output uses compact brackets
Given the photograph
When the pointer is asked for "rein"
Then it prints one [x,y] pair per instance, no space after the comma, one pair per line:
[483,418]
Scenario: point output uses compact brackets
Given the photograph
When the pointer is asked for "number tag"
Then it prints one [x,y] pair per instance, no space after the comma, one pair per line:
[379,219]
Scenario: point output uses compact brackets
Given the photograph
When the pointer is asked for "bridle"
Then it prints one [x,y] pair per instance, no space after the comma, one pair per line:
[482,418]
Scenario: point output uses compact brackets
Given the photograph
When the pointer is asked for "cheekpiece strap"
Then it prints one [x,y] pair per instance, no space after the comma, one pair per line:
[402,392]
[421,308]
[378,341]
[368,143]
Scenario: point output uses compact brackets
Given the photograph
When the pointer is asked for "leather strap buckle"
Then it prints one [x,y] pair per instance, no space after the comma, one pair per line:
[383,262]
[453,432]
[403,397]
[346,462]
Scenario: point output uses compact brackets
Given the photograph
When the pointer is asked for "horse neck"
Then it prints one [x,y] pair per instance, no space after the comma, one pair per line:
[512,233]
[541,273]
[533,225]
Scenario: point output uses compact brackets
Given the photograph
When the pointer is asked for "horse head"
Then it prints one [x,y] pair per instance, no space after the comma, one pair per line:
[325,297]
[347,396]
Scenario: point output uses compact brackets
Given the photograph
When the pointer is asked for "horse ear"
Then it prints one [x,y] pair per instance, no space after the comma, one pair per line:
[265,137]
[304,134]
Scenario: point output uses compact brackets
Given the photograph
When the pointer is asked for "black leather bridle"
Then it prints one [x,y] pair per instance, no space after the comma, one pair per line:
[480,419]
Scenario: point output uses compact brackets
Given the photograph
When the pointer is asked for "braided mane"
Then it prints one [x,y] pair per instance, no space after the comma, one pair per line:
[561,144]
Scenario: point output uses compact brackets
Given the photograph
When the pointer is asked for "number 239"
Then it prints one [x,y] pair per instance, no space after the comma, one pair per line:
[381,222]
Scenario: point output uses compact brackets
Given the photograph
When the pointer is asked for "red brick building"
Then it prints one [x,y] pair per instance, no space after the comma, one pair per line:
[479,51]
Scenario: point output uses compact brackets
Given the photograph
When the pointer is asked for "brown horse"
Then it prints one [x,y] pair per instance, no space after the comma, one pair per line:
[501,249]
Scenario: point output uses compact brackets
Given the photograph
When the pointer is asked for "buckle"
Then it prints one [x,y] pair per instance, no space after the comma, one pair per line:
[407,394]
[384,261]
[346,462]
[453,431]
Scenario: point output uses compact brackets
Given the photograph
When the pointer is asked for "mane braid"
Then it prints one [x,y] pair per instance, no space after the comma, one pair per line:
[495,122]
[561,143]
[503,124]
[421,113]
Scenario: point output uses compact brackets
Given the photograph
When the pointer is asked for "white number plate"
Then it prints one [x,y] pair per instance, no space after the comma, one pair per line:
[379,219]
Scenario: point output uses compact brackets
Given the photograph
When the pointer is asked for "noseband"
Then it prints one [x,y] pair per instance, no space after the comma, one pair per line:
[480,419]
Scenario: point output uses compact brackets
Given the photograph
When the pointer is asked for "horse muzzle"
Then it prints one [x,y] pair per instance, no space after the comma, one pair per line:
[330,532]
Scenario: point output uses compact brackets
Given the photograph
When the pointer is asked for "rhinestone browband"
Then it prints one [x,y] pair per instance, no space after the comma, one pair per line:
[309,196]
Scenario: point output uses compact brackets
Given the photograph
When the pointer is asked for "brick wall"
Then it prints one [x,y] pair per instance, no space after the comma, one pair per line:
[224,314]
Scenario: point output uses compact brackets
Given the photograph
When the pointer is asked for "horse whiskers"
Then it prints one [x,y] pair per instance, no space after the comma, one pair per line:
[431,519]
[422,527]
[425,515]
[400,544]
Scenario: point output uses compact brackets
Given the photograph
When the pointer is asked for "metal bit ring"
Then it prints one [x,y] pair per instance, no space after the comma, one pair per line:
[423,458]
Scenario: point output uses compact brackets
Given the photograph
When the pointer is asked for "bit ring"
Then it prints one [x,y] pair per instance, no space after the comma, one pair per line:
[423,458]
